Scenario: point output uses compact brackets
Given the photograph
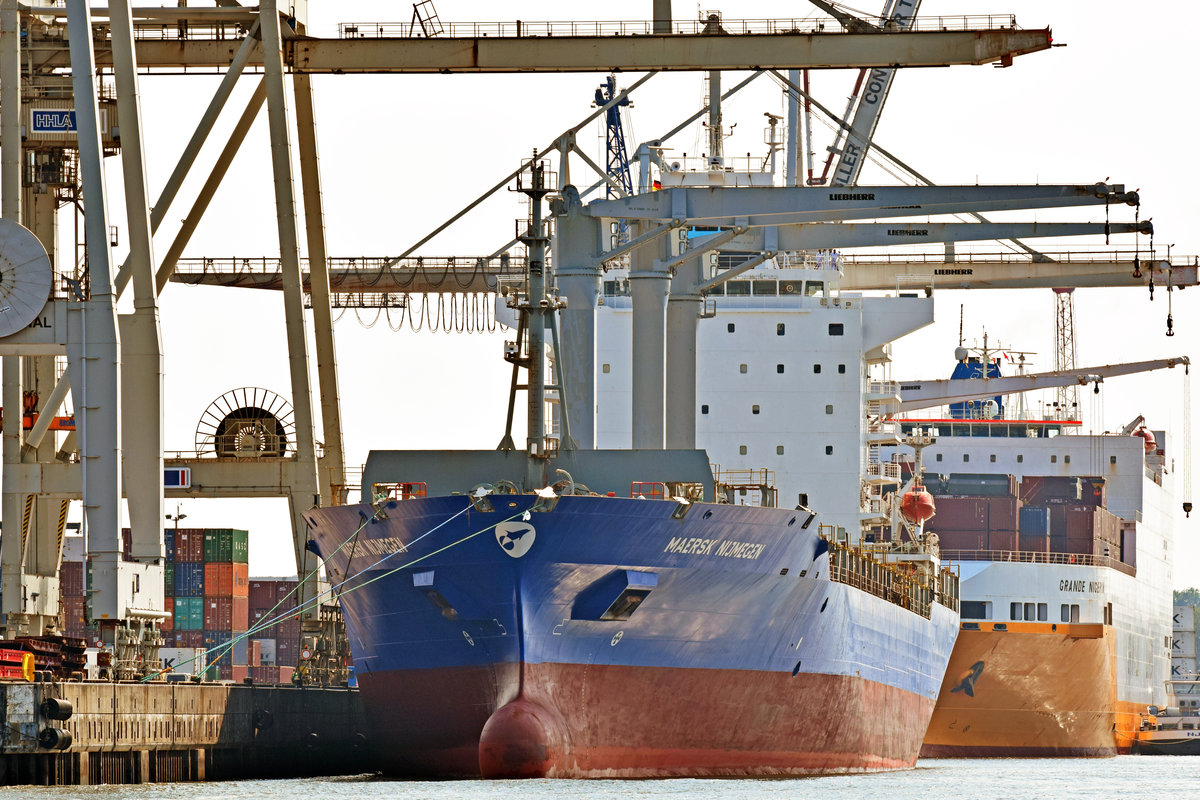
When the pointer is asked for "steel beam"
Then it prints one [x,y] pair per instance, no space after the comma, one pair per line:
[12,547]
[142,362]
[306,491]
[333,465]
[689,52]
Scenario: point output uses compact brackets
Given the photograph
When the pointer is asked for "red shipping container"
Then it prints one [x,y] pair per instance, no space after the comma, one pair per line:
[169,607]
[70,579]
[241,580]
[1003,513]
[239,673]
[218,579]
[285,674]
[262,594]
[287,652]
[1035,542]
[962,540]
[1078,545]
[254,654]
[268,675]
[189,544]
[226,614]
[961,513]
[189,638]
[74,610]
[1002,541]
[285,590]
[289,629]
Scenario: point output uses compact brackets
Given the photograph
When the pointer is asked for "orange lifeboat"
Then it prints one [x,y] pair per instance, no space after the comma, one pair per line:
[1148,438]
[917,505]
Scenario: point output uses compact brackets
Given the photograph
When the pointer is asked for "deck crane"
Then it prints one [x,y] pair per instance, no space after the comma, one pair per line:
[616,162]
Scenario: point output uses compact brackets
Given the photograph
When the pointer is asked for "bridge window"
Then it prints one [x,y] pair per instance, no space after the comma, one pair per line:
[975,609]
[837,329]
[1069,613]
[1030,611]
[1014,611]
[1043,612]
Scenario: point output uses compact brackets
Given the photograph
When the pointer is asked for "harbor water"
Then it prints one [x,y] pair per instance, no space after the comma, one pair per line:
[1146,777]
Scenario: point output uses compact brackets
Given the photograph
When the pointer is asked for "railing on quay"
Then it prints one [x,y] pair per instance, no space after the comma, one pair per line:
[576,28]
[1027,557]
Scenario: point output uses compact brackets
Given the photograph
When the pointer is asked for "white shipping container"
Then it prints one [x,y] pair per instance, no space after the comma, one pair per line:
[1183,644]
[73,549]
[1185,618]
[267,651]
[184,660]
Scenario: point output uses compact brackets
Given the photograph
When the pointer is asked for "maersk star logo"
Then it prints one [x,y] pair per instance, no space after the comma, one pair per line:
[515,537]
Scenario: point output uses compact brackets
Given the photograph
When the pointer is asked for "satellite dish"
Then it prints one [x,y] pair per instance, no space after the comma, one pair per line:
[25,277]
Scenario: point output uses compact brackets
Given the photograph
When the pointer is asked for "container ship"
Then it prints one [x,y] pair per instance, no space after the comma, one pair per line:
[596,613]
[1061,541]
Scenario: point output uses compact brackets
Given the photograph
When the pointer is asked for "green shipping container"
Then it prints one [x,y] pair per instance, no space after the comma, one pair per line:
[189,613]
[169,579]
[226,545]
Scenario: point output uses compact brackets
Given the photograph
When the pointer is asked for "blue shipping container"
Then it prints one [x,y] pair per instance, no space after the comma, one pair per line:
[216,639]
[169,541]
[189,613]
[1035,520]
[189,579]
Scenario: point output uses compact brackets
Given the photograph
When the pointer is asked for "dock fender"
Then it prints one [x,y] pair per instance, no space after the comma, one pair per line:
[522,739]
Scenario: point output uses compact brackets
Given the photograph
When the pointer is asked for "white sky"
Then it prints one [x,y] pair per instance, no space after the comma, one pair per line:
[399,154]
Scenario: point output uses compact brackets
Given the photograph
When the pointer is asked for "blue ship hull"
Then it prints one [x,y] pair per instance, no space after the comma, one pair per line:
[605,637]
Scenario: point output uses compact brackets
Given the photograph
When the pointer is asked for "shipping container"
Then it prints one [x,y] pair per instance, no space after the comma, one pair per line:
[265,674]
[217,644]
[1002,541]
[169,579]
[226,614]
[189,579]
[189,545]
[188,638]
[1050,490]
[262,593]
[287,652]
[1003,513]
[169,545]
[226,544]
[266,649]
[70,579]
[168,622]
[288,629]
[183,660]
[1034,542]
[189,614]
[241,650]
[1035,521]
[285,674]
[73,549]
[981,485]
[254,653]
[239,673]
[973,541]
[960,514]
[286,591]
[218,579]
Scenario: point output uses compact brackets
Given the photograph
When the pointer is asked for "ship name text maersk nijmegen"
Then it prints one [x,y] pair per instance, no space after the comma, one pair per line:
[714,547]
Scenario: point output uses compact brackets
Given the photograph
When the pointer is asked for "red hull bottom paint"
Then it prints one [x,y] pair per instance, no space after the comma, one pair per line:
[580,721]
[1035,690]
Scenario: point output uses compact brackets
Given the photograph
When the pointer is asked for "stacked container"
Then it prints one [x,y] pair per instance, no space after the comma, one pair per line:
[273,605]
[226,585]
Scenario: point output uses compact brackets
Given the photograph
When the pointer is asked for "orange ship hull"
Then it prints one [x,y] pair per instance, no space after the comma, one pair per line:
[1029,689]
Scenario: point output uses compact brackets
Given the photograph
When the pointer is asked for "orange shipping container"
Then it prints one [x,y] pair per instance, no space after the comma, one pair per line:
[224,579]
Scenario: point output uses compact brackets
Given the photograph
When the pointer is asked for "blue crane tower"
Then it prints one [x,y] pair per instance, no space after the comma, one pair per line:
[617,160]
